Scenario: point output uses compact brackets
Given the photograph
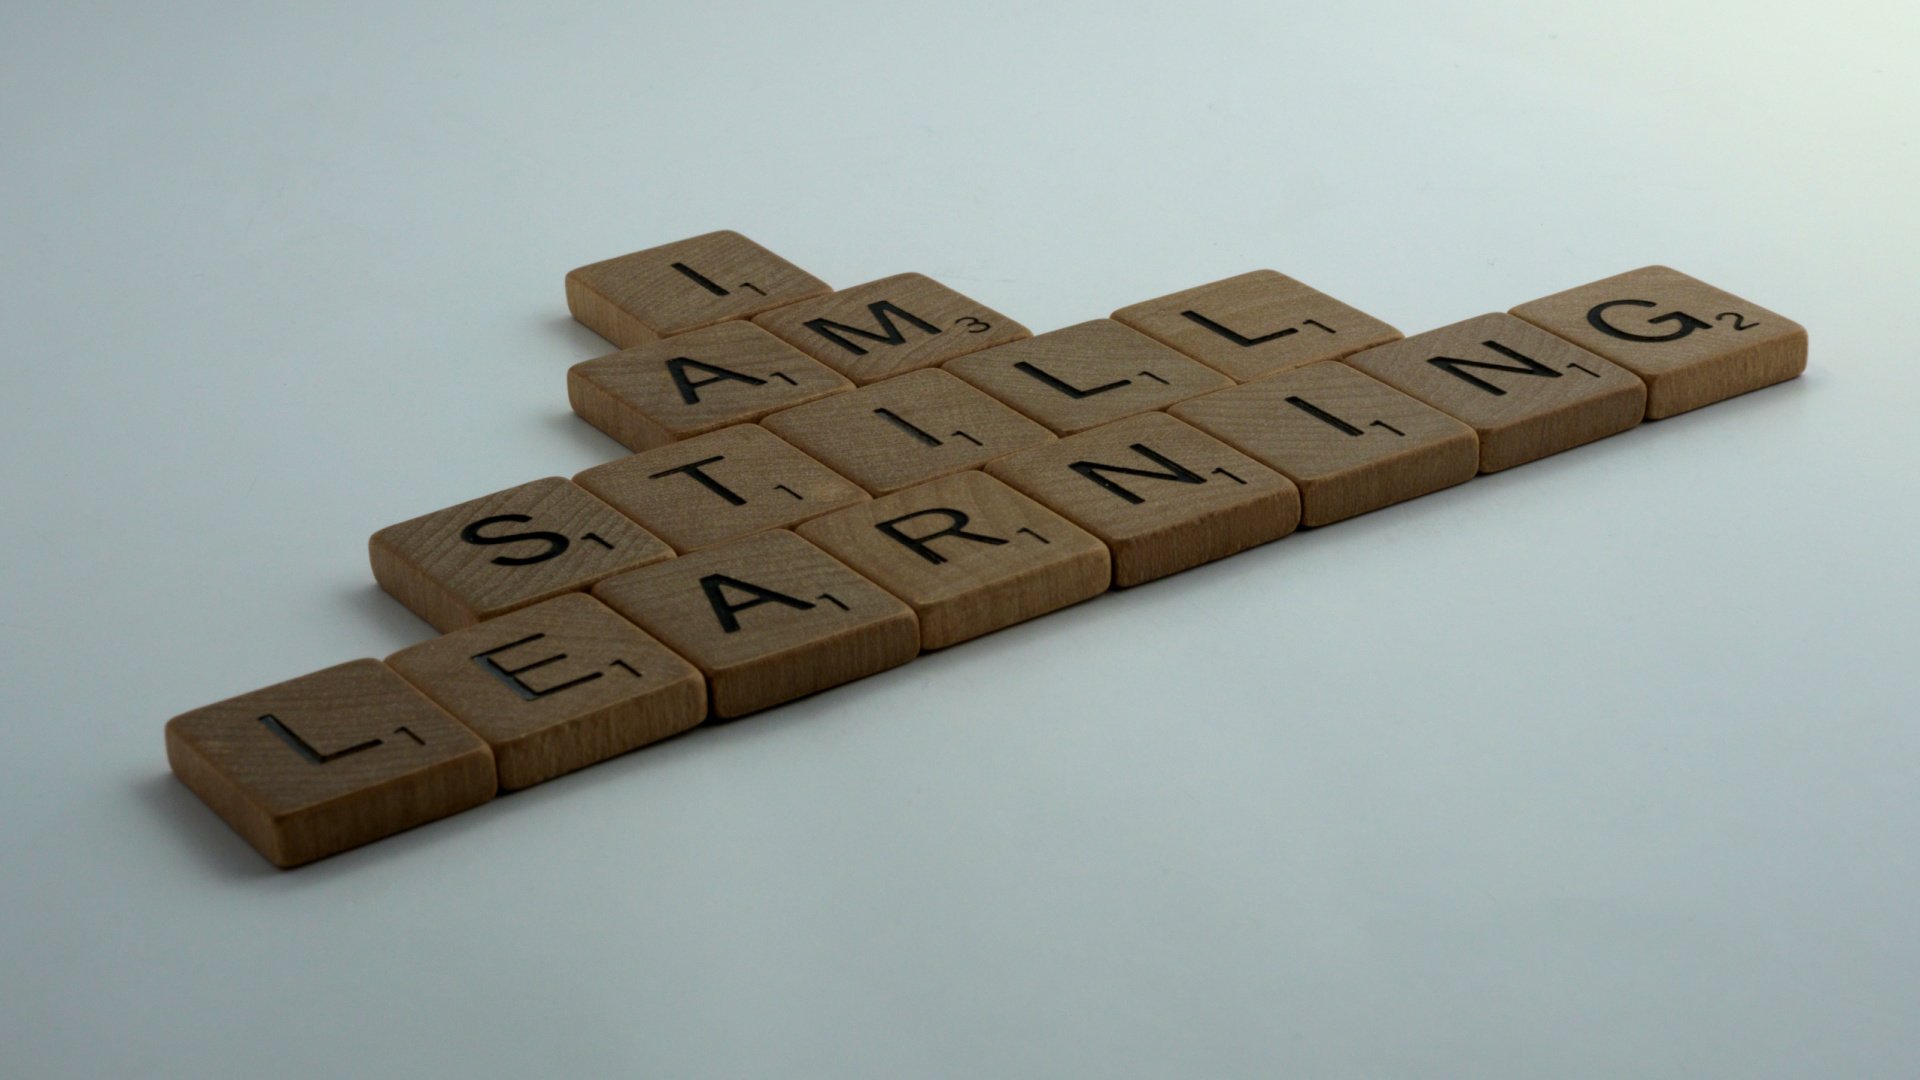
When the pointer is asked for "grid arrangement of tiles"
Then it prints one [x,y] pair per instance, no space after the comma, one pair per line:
[827,483]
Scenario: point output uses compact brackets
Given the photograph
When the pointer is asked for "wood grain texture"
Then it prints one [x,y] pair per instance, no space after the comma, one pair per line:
[1257,323]
[720,486]
[557,686]
[905,431]
[315,765]
[1161,495]
[685,285]
[487,556]
[1086,375]
[968,553]
[695,382]
[1692,344]
[1350,443]
[768,619]
[1525,392]
[890,326]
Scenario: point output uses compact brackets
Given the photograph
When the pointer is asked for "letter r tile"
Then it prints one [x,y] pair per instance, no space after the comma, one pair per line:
[1256,324]
[767,619]
[1692,344]
[683,286]
[557,686]
[890,326]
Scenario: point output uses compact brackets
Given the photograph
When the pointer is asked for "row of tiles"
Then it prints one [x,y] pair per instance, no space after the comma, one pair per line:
[900,546]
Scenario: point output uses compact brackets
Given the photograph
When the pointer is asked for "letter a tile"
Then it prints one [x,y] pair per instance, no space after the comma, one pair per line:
[720,486]
[890,326]
[328,761]
[490,555]
[1163,496]
[557,686]
[970,554]
[1526,393]
[768,619]
[683,286]
[1256,324]
[697,382]
[1691,343]
[1351,443]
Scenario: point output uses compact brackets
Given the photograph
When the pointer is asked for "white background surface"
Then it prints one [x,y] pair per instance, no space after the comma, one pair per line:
[1605,766]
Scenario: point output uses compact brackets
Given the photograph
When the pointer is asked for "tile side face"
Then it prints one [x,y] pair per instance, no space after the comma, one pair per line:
[890,326]
[319,764]
[1525,392]
[1161,495]
[1691,343]
[768,619]
[970,555]
[557,686]
[685,285]
[1256,324]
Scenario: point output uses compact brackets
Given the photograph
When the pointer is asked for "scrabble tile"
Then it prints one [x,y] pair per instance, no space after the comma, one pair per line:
[901,432]
[720,486]
[557,686]
[968,553]
[890,326]
[1691,343]
[1086,375]
[1525,392]
[683,286]
[1256,324]
[768,619]
[1161,495]
[696,382]
[329,761]
[1349,442]
[488,556]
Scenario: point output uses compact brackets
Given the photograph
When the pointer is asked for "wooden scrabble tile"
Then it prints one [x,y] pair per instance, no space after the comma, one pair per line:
[1087,375]
[697,382]
[1349,442]
[968,553]
[1691,343]
[890,326]
[557,686]
[683,286]
[1163,496]
[901,432]
[768,619]
[329,761]
[1256,324]
[1525,392]
[488,556]
[720,486]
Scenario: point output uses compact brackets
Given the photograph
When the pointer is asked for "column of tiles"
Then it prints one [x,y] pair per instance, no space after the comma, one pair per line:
[1086,375]
[767,619]
[329,761]
[491,555]
[1256,324]
[720,486]
[1161,495]
[890,326]
[1692,344]
[968,553]
[1525,392]
[683,286]
[1349,442]
[906,430]
[697,382]
[557,687]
